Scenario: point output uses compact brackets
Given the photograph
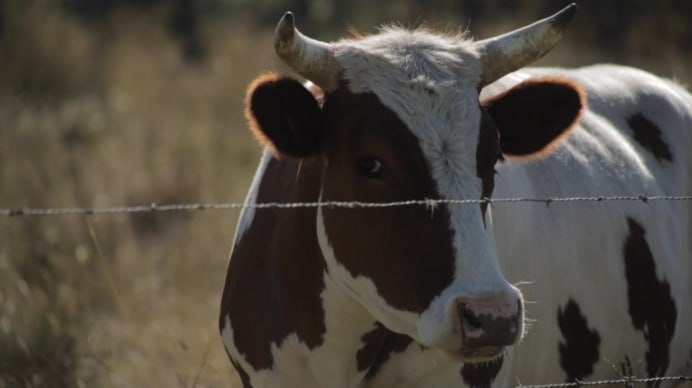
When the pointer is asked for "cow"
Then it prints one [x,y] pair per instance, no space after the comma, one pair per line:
[429,295]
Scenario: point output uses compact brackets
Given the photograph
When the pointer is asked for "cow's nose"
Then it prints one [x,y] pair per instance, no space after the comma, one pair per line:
[485,324]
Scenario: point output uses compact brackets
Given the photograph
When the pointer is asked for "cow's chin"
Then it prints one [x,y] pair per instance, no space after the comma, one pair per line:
[476,355]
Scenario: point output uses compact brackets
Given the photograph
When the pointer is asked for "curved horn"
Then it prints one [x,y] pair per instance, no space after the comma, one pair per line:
[310,58]
[508,52]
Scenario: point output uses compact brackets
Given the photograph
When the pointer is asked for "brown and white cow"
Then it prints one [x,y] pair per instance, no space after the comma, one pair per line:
[414,296]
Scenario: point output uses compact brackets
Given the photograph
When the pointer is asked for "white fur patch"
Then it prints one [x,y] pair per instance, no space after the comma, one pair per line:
[576,250]
[291,363]
[294,364]
[417,367]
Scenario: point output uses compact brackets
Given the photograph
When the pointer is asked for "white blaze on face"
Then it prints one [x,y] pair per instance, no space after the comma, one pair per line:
[362,288]
[431,83]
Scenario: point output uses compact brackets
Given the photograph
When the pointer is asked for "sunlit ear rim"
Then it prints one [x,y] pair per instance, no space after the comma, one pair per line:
[285,116]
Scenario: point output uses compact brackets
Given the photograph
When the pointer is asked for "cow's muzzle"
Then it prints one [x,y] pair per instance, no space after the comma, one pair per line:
[486,328]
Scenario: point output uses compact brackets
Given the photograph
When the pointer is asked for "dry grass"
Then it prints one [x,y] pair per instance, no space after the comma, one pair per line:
[111,117]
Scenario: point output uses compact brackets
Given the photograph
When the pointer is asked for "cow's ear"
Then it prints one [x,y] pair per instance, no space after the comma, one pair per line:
[533,116]
[285,116]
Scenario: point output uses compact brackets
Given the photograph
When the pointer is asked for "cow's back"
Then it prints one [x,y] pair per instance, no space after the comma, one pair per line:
[593,268]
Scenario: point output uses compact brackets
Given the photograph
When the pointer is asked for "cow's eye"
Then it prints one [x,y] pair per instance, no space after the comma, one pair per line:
[369,166]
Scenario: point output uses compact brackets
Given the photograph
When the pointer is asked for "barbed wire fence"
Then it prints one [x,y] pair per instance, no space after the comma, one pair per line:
[628,381]
[625,381]
[432,203]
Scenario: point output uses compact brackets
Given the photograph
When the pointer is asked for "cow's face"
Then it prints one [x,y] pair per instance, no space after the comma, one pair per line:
[403,122]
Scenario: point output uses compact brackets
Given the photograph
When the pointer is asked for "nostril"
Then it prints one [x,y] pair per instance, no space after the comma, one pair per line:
[470,319]
[484,324]
[482,330]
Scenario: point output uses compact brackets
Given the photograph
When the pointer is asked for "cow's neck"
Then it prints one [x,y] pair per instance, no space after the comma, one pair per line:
[351,340]
[344,350]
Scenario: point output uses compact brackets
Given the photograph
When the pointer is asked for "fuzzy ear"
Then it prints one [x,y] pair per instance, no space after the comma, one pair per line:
[533,116]
[285,116]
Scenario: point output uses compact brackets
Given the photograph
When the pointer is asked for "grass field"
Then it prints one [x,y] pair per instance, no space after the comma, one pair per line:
[111,115]
[117,118]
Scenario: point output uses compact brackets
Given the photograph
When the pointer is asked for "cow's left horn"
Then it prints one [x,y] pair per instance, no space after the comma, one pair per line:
[508,52]
[308,57]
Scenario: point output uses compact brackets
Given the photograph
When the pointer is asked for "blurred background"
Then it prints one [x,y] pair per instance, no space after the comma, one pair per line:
[129,102]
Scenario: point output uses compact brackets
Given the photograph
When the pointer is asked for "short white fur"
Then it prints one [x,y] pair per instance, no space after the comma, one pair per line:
[430,82]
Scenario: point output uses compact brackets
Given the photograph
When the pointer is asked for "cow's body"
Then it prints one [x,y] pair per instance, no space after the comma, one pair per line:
[577,251]
[607,285]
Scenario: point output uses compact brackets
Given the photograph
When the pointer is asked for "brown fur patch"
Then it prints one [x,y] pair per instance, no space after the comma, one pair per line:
[414,240]
[579,351]
[651,304]
[486,156]
[275,276]
[649,136]
[378,346]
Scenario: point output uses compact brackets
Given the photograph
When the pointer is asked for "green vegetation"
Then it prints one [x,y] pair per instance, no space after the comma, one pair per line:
[142,102]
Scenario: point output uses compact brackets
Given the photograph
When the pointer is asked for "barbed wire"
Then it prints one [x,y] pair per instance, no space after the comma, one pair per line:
[626,381]
[153,207]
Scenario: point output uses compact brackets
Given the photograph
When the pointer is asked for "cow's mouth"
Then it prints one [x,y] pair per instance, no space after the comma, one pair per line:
[480,354]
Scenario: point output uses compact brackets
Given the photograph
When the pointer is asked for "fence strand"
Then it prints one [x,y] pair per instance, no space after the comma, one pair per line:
[626,381]
[153,207]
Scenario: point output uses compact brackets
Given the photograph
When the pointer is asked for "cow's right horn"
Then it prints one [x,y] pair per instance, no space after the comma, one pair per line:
[509,52]
[308,57]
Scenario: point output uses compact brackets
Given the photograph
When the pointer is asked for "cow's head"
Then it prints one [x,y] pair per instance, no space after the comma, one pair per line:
[397,117]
